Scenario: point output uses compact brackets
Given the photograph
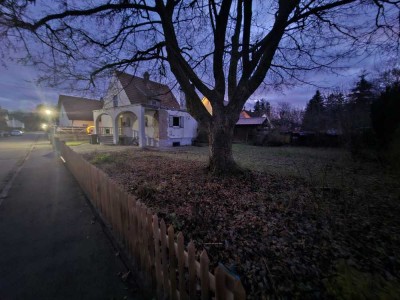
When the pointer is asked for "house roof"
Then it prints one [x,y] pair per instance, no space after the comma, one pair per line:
[78,108]
[141,90]
[252,121]
[244,114]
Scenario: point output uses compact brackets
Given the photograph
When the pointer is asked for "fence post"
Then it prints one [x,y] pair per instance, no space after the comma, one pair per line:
[192,270]
[164,261]
[181,266]
[204,276]
[239,292]
[172,262]
[157,258]
[220,287]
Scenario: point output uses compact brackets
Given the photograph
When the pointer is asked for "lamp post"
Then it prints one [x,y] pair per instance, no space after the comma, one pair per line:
[48,113]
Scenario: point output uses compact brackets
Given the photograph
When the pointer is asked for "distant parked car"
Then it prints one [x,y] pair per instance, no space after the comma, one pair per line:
[17,132]
[4,133]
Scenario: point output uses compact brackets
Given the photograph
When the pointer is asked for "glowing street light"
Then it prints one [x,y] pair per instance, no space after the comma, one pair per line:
[44,126]
[48,112]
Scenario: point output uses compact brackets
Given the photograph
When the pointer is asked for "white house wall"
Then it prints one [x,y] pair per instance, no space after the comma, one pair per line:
[182,135]
[151,129]
[115,88]
[13,123]
[106,121]
[63,118]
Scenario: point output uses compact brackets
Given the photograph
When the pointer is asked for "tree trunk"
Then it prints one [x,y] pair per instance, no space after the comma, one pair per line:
[220,139]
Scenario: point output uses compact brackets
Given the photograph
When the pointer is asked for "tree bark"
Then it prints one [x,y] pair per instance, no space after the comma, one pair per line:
[220,145]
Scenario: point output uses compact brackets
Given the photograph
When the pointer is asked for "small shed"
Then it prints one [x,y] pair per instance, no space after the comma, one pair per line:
[246,129]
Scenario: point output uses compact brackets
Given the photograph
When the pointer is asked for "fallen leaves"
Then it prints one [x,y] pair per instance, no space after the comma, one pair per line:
[283,236]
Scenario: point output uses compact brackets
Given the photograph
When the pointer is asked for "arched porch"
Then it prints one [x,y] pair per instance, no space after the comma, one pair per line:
[125,124]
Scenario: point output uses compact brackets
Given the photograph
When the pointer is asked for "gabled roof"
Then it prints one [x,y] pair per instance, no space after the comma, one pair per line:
[78,108]
[141,90]
[252,121]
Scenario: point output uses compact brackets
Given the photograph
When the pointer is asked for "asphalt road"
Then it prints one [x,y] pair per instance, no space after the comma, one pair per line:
[51,245]
[13,150]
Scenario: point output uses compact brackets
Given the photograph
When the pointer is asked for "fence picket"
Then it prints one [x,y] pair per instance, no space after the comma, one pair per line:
[157,260]
[181,266]
[238,291]
[220,291]
[204,277]
[192,270]
[172,262]
[164,261]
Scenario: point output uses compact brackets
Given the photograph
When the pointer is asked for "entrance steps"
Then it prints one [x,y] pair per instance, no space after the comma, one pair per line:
[106,139]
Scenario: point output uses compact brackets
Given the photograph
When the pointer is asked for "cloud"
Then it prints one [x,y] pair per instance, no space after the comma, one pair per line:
[18,90]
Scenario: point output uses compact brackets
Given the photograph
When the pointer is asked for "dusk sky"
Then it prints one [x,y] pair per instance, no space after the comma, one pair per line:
[19,92]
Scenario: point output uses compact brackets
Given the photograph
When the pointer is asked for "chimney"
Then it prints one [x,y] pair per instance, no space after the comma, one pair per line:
[146,76]
[182,99]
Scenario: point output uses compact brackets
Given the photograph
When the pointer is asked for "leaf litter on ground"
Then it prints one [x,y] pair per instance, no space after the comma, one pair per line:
[284,236]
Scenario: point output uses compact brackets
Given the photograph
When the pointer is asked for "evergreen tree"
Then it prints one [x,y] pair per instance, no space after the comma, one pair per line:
[385,112]
[360,100]
[257,107]
[314,119]
[335,111]
[262,107]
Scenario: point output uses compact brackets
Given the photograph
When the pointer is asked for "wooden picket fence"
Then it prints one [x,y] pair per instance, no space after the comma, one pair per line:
[158,252]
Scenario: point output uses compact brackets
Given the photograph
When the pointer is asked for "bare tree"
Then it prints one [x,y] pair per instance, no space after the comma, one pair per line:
[220,49]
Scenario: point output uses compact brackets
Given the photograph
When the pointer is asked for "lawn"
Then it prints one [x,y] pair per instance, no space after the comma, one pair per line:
[75,143]
[302,223]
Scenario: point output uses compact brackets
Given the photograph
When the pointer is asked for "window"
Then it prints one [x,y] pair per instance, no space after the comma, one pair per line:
[115,101]
[146,121]
[154,103]
[175,121]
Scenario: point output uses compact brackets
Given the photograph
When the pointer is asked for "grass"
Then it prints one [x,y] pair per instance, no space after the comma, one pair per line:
[303,223]
[75,143]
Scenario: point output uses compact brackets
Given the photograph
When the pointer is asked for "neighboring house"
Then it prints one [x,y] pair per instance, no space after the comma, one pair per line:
[140,110]
[77,111]
[14,123]
[248,128]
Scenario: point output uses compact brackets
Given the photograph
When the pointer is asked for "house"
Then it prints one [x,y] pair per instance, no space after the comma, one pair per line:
[139,110]
[77,111]
[247,128]
[14,123]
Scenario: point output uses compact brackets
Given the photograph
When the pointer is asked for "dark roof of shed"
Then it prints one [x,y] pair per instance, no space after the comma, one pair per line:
[78,108]
[252,121]
[140,91]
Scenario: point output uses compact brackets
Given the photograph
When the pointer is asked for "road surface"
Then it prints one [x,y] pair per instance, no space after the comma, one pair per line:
[51,245]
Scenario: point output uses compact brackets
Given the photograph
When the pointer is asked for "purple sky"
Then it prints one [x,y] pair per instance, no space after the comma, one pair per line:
[19,92]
